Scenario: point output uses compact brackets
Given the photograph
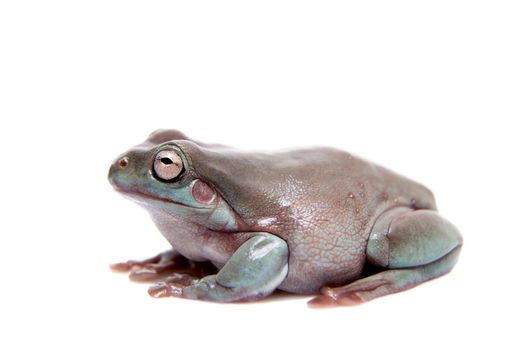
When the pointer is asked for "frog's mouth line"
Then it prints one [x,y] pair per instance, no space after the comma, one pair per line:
[149,197]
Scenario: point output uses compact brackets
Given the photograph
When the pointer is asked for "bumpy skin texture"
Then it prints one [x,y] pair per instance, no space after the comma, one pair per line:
[322,202]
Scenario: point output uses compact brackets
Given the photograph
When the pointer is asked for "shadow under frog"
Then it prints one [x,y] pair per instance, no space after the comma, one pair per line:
[304,221]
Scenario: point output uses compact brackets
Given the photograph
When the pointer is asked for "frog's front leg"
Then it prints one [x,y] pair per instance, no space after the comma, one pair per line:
[254,271]
[412,247]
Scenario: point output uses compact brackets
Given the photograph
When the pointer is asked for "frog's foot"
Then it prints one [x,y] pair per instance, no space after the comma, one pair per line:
[172,286]
[254,271]
[152,268]
[413,247]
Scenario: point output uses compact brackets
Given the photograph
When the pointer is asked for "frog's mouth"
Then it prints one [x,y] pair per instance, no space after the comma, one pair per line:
[145,199]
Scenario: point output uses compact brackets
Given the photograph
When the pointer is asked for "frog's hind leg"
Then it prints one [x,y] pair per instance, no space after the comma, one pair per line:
[412,247]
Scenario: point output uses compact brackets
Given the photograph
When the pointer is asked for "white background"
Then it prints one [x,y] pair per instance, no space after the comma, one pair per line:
[433,90]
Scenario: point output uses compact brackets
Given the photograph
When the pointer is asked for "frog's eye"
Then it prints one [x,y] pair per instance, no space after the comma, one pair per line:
[168,165]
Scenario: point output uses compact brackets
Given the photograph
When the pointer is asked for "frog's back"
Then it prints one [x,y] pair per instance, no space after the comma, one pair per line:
[322,201]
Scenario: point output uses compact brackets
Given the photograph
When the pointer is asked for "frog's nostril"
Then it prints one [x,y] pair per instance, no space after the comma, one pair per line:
[123,162]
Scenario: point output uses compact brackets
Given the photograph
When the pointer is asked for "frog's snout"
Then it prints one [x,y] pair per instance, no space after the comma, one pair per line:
[116,169]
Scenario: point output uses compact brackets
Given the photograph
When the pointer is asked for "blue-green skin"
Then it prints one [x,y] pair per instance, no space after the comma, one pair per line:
[303,221]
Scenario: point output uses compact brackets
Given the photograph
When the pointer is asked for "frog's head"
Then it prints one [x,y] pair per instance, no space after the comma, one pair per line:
[158,175]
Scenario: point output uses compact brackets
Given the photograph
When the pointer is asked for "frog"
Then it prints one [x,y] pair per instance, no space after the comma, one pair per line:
[313,221]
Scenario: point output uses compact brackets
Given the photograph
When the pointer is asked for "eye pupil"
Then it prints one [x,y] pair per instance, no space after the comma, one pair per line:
[166,161]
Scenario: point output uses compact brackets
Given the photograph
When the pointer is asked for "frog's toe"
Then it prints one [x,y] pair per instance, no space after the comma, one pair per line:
[182,279]
[146,273]
[152,268]
[352,294]
[128,266]
[164,259]
[150,272]
[164,289]
[172,286]
[327,299]
[321,301]
[121,266]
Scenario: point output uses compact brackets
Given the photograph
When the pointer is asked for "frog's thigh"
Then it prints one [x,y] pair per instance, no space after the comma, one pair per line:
[403,238]
[413,247]
[254,271]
